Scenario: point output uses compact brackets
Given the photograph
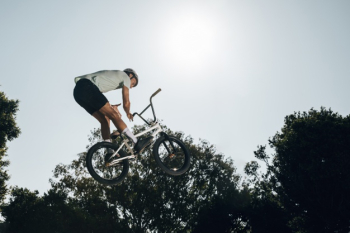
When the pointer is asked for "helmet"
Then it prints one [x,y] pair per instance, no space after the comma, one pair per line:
[131,71]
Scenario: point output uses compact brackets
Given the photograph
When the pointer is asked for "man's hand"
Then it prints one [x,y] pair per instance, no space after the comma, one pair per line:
[130,116]
[115,107]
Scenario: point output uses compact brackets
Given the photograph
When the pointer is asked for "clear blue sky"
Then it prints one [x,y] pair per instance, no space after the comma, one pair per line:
[230,71]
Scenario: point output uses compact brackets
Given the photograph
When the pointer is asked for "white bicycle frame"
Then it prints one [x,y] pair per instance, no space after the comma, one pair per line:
[153,126]
[157,129]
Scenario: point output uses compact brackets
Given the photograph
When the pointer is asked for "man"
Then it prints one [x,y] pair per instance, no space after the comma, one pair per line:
[88,94]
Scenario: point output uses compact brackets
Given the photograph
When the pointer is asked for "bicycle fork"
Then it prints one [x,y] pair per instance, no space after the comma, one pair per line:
[171,155]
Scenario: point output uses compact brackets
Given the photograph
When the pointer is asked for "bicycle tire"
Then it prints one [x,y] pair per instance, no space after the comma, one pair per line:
[175,163]
[106,175]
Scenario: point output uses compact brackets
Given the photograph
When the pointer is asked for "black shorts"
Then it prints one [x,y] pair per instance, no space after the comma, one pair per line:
[89,96]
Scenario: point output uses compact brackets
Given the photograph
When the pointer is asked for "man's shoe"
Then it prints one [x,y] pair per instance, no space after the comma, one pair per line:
[115,135]
[142,144]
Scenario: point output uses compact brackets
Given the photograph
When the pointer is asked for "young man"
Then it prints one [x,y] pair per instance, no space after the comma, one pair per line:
[88,94]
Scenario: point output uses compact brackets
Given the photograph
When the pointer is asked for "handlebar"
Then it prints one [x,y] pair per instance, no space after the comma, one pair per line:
[150,105]
[155,93]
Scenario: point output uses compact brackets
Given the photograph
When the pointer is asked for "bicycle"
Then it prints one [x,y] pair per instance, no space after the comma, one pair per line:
[169,152]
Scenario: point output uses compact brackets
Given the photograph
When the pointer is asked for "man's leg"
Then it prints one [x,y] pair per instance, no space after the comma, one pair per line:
[108,111]
[112,114]
[106,133]
[105,125]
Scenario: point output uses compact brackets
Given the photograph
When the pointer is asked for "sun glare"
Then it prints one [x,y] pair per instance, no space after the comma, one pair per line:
[189,40]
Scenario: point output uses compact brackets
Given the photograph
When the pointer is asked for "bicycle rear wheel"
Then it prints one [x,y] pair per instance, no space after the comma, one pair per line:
[108,175]
[171,155]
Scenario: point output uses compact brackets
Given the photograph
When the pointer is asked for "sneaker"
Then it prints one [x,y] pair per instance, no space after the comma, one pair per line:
[115,135]
[142,144]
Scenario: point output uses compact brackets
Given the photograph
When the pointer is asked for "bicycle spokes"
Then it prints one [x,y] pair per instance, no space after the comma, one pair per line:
[103,170]
[171,155]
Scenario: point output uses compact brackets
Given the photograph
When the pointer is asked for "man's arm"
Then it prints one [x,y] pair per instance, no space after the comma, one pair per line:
[126,102]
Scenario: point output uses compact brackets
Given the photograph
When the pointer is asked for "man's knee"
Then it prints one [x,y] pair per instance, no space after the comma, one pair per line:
[113,115]
[101,118]
[109,112]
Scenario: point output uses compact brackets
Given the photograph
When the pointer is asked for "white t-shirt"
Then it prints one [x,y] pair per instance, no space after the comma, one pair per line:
[107,80]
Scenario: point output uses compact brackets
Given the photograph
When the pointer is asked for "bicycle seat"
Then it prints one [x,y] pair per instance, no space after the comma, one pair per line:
[115,135]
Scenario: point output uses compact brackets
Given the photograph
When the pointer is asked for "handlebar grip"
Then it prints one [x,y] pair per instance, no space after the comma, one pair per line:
[155,93]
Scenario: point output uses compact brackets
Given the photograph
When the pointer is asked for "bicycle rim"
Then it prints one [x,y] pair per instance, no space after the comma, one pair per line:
[100,171]
[173,156]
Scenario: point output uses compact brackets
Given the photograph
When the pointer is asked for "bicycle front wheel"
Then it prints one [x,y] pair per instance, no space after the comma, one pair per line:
[108,175]
[171,155]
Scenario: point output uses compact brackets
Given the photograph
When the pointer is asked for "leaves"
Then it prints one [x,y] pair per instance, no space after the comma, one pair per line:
[8,127]
[8,131]
[150,199]
[309,172]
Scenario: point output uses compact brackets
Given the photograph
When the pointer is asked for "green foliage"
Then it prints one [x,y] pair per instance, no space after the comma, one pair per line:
[226,213]
[205,199]
[150,199]
[265,213]
[308,176]
[56,212]
[305,189]
[8,131]
[8,127]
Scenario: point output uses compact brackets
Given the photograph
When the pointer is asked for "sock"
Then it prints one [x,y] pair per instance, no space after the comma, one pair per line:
[128,133]
[108,140]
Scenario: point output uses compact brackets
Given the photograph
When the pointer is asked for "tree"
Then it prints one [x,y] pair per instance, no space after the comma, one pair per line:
[226,213]
[308,174]
[56,212]
[8,132]
[205,199]
[265,213]
[150,200]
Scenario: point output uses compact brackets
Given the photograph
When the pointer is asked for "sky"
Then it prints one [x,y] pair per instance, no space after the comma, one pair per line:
[229,70]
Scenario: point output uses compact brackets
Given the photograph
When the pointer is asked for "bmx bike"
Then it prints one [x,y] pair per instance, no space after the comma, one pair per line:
[170,153]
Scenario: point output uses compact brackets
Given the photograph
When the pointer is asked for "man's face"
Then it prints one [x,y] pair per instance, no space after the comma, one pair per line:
[132,82]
